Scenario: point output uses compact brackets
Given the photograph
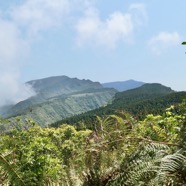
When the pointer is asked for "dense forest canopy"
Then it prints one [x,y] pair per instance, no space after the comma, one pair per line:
[148,99]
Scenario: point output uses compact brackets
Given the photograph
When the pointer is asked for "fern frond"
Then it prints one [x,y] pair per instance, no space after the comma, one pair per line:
[152,165]
[10,172]
[143,166]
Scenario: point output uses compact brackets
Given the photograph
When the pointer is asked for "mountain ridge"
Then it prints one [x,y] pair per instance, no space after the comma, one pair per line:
[56,85]
[123,85]
[58,97]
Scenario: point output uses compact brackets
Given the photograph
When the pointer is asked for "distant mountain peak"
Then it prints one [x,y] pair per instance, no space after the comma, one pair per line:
[61,84]
[123,85]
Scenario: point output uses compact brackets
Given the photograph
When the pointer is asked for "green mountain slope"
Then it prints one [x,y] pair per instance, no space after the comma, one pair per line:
[60,97]
[60,107]
[147,99]
[51,87]
[145,92]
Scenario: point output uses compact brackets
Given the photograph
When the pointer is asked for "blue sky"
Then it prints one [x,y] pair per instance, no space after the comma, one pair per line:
[100,40]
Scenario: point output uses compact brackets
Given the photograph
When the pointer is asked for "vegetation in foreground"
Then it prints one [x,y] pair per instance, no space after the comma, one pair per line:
[119,151]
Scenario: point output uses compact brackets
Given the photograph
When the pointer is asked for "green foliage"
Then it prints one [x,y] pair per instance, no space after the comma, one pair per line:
[152,165]
[159,160]
[161,128]
[118,151]
[8,173]
[43,155]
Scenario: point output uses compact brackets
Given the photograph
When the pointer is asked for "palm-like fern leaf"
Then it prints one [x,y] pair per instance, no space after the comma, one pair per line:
[10,172]
[152,165]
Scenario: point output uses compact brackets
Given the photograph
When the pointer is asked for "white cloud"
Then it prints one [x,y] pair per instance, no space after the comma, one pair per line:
[12,46]
[117,28]
[139,14]
[163,41]
[12,91]
[13,50]
[38,15]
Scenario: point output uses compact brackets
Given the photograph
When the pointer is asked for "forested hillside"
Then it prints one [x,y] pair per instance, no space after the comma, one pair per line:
[147,99]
